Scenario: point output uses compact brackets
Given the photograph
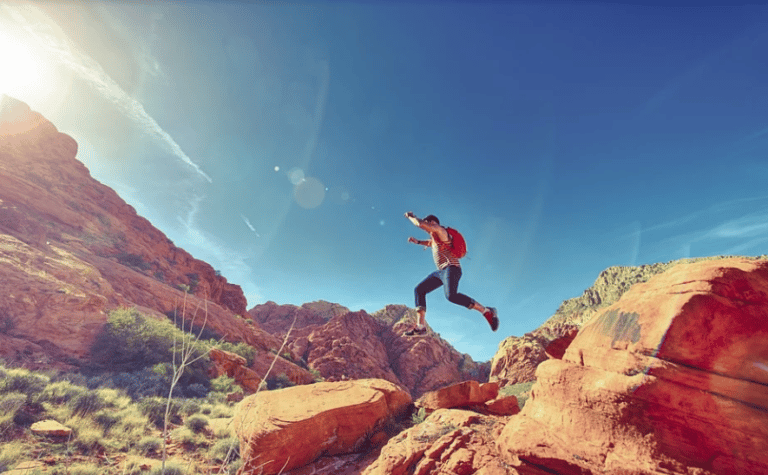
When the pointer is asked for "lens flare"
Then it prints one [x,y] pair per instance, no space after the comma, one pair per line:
[309,193]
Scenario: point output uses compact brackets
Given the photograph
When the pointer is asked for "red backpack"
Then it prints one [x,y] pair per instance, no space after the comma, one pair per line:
[458,244]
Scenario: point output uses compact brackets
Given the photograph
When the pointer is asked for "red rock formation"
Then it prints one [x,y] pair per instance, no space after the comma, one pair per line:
[71,250]
[670,379]
[449,441]
[467,393]
[343,345]
[289,428]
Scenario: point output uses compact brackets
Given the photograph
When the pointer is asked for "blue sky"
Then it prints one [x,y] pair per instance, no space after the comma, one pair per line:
[282,142]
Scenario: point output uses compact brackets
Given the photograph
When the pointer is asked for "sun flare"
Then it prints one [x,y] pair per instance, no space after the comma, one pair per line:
[23,70]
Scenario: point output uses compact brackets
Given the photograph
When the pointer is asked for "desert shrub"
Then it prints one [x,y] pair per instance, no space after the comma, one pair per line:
[520,390]
[115,398]
[106,419]
[23,381]
[12,402]
[61,392]
[170,469]
[132,420]
[316,375]
[196,424]
[131,466]
[154,409]
[88,437]
[86,403]
[221,410]
[189,406]
[419,416]
[185,436]
[243,349]
[140,350]
[224,384]
[225,451]
[132,341]
[279,382]
[149,445]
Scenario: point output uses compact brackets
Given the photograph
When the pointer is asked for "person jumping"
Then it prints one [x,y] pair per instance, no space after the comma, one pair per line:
[447,274]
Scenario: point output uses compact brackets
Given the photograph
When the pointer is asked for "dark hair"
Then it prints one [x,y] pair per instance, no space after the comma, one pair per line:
[432,217]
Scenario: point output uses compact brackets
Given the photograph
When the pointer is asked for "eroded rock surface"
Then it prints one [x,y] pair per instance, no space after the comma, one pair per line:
[670,378]
[289,428]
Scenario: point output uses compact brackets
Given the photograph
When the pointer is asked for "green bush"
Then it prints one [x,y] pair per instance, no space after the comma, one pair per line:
[131,341]
[106,419]
[196,424]
[419,416]
[154,409]
[23,381]
[149,445]
[224,384]
[190,406]
[243,349]
[225,451]
[85,403]
[61,392]
[520,390]
[140,350]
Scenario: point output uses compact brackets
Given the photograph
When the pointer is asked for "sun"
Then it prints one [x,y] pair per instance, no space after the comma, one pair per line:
[23,71]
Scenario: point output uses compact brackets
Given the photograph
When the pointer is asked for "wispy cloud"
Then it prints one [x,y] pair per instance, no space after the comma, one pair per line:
[39,26]
[250,226]
[724,228]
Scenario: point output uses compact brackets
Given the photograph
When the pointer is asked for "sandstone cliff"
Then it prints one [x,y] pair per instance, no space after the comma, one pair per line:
[71,250]
[518,357]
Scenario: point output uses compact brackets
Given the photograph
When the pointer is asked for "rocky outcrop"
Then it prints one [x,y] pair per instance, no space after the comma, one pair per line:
[266,367]
[517,357]
[670,379]
[449,441]
[343,345]
[71,250]
[278,319]
[464,394]
[289,428]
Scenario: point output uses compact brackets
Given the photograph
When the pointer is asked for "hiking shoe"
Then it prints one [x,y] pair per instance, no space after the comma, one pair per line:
[492,317]
[416,331]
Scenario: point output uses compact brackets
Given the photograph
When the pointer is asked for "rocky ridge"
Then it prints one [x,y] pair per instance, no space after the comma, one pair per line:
[343,345]
[518,357]
[71,250]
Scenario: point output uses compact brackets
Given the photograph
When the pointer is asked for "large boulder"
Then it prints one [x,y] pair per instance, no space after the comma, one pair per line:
[672,378]
[464,394]
[288,428]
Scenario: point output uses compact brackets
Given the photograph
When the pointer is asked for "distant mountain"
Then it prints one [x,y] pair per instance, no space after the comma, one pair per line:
[340,345]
